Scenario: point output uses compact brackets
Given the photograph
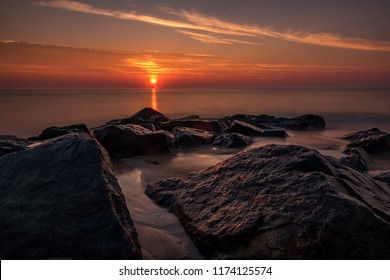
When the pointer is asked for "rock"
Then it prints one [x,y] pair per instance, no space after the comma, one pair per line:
[372,140]
[250,119]
[60,200]
[147,112]
[363,134]
[281,202]
[192,136]
[305,122]
[55,131]
[11,144]
[357,158]
[232,140]
[132,120]
[244,128]
[202,124]
[131,139]
[381,175]
[274,133]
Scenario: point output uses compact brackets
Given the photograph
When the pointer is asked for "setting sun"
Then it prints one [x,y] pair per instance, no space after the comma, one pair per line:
[153,81]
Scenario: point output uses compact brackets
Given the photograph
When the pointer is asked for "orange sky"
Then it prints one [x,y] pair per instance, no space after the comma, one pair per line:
[122,44]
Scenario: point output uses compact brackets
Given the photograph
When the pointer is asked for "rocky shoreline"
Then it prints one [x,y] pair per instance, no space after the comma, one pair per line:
[59,198]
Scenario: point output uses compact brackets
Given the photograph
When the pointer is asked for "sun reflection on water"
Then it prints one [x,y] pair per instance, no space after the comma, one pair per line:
[154,103]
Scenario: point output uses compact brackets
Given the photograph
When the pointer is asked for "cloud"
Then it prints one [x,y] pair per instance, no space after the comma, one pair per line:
[211,38]
[188,22]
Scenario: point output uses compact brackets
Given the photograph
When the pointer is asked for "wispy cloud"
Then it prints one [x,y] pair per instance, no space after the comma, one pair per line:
[212,38]
[188,22]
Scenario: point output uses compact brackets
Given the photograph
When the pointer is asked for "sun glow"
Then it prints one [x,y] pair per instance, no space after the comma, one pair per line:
[153,81]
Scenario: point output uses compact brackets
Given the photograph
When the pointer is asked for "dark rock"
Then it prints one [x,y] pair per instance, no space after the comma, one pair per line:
[357,158]
[372,140]
[363,134]
[274,133]
[232,140]
[250,119]
[55,131]
[147,112]
[202,124]
[281,202]
[11,144]
[192,136]
[381,175]
[60,200]
[305,122]
[132,120]
[131,139]
[244,128]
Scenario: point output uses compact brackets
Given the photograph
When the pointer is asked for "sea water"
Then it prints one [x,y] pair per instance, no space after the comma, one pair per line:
[25,113]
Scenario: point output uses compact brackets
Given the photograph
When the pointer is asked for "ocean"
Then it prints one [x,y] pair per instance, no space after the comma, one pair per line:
[26,113]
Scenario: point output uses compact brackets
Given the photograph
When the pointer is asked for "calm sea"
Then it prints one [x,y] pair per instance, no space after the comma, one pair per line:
[27,112]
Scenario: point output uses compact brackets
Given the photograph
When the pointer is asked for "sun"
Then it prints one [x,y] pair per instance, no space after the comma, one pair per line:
[153,81]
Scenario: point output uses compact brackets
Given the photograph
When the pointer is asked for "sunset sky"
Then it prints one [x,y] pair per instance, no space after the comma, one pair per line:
[247,43]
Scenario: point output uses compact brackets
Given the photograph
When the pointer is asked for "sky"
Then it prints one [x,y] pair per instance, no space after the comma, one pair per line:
[246,43]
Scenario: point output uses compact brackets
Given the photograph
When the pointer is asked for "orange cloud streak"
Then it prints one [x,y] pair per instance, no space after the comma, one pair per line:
[194,21]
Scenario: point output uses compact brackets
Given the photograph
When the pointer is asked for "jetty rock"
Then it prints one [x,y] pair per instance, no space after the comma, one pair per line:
[192,136]
[56,131]
[60,200]
[281,202]
[232,140]
[371,141]
[131,139]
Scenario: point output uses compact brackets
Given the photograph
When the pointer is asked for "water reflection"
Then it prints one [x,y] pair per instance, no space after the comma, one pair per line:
[154,104]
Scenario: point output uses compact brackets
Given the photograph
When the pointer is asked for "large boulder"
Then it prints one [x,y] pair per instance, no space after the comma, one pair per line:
[56,131]
[61,200]
[129,140]
[10,144]
[372,140]
[192,137]
[305,122]
[281,202]
[213,125]
[232,140]
[244,128]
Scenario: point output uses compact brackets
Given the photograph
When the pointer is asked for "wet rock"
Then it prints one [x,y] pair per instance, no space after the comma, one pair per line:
[372,140]
[232,140]
[131,139]
[274,133]
[250,119]
[55,131]
[147,113]
[281,202]
[305,122]
[202,124]
[192,137]
[60,200]
[363,134]
[357,158]
[244,128]
[11,144]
